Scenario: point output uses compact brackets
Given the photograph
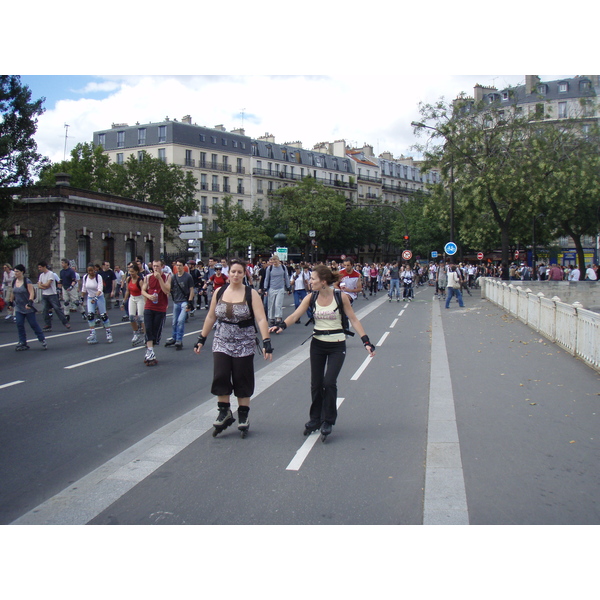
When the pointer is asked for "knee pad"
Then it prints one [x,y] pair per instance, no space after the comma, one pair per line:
[104,317]
[133,319]
[90,316]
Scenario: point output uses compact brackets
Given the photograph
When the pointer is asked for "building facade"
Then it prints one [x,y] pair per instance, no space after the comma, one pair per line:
[218,159]
[82,226]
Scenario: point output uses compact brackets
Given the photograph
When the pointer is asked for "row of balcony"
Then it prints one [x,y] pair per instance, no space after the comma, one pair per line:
[295,177]
[213,166]
[216,187]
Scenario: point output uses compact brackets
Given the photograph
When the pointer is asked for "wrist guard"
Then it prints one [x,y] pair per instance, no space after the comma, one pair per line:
[282,325]
[201,341]
[267,346]
[367,343]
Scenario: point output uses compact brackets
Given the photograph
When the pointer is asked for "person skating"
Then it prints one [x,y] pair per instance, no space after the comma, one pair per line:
[92,287]
[328,345]
[235,309]
[182,290]
[50,301]
[23,294]
[155,288]
[135,301]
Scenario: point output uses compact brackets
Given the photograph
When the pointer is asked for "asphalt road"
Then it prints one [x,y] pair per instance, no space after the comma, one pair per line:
[464,416]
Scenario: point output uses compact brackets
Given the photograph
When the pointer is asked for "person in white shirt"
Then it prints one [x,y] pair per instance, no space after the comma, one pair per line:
[574,274]
[92,286]
[47,283]
[590,274]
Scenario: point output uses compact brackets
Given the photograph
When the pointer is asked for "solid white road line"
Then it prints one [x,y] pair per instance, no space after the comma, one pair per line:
[5,385]
[445,498]
[303,451]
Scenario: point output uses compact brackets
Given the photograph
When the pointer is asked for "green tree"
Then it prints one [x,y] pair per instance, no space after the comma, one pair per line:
[489,165]
[151,180]
[20,162]
[242,227]
[570,193]
[307,206]
[89,168]
[424,222]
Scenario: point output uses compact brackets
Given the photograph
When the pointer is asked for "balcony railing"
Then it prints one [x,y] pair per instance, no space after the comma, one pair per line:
[296,177]
[369,178]
[240,189]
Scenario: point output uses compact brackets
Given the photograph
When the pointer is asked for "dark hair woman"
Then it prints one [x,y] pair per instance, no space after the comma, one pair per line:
[328,346]
[234,345]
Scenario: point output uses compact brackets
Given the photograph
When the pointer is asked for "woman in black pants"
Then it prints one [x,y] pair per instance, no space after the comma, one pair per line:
[328,346]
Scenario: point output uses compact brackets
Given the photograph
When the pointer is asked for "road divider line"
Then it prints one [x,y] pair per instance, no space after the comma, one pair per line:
[304,450]
[5,385]
[393,323]
[401,312]
[383,337]
[367,360]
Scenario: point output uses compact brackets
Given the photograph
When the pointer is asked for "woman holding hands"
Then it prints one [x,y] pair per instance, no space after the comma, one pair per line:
[234,308]
[328,345]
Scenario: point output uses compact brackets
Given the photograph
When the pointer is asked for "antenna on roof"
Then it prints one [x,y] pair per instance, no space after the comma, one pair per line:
[66,135]
[243,109]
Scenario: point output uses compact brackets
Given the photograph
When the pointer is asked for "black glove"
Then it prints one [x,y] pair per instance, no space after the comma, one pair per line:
[201,341]
[29,304]
[367,343]
[267,346]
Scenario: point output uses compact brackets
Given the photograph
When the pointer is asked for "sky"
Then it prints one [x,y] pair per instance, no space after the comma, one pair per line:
[304,108]
[314,72]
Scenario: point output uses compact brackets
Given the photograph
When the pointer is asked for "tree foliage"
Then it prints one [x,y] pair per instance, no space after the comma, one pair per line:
[505,168]
[307,206]
[89,168]
[20,162]
[242,227]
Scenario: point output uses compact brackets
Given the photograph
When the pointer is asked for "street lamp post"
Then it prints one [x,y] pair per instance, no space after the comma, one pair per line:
[533,253]
[423,126]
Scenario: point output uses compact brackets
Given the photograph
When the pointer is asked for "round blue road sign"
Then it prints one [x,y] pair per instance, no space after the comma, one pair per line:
[450,248]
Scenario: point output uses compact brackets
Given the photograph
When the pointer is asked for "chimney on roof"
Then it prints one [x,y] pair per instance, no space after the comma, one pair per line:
[531,82]
[268,137]
[479,91]
[220,128]
[62,179]
[239,131]
[187,119]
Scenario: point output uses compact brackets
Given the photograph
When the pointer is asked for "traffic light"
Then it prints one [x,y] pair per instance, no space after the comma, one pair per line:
[406,239]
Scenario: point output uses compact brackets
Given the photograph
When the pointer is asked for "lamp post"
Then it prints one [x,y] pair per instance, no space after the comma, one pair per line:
[418,125]
[533,253]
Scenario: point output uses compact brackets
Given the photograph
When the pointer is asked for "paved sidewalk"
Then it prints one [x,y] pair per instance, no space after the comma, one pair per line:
[528,416]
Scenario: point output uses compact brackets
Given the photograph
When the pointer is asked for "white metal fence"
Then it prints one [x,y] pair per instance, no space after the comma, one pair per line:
[571,326]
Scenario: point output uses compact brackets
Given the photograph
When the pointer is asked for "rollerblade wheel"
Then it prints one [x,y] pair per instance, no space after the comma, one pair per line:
[324,437]
[243,433]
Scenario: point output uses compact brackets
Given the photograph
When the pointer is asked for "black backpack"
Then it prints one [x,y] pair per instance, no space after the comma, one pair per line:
[337,294]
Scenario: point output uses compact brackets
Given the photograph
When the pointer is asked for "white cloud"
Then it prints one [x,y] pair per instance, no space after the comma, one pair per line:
[361,109]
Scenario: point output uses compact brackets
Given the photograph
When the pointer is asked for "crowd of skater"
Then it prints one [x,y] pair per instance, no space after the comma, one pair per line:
[241,301]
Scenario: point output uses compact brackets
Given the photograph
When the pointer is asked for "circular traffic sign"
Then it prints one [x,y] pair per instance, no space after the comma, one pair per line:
[480,255]
[407,255]
[450,248]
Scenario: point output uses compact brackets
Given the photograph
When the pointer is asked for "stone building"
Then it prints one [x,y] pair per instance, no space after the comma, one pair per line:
[82,226]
